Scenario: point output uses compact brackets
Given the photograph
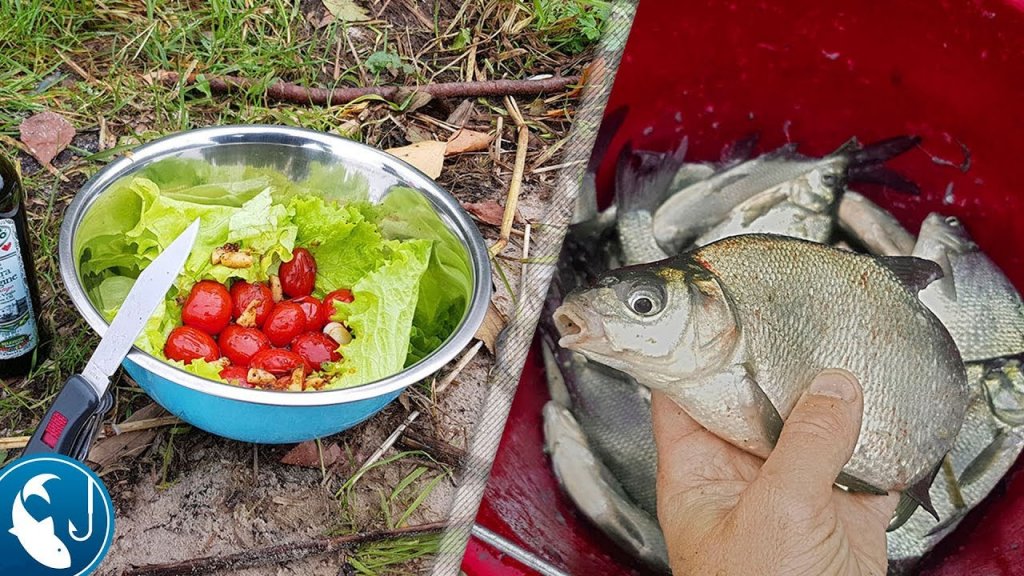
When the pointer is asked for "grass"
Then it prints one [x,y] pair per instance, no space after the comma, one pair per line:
[90,61]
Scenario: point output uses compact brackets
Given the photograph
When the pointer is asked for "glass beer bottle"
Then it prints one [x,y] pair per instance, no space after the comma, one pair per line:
[19,294]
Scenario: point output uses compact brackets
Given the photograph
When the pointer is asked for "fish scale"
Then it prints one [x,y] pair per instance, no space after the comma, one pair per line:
[805,331]
[786,310]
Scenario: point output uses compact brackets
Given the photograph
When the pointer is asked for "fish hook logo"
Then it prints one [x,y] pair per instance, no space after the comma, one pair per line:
[44,494]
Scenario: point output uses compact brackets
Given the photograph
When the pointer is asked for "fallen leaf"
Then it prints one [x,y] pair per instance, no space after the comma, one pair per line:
[307,455]
[46,134]
[427,156]
[467,141]
[414,134]
[489,331]
[346,10]
[412,101]
[462,114]
[114,449]
[489,211]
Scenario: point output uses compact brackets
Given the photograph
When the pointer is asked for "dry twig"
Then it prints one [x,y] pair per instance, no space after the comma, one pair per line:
[512,200]
[296,94]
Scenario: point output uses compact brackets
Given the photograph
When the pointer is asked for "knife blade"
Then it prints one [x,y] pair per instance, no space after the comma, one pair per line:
[70,424]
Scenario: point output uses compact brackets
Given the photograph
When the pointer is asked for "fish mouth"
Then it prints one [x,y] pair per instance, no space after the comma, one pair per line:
[571,326]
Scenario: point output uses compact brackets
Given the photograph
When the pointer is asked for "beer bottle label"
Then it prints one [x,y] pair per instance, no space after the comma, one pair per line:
[18,333]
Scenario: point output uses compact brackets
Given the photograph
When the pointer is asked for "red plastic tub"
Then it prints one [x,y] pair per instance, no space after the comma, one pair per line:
[815,73]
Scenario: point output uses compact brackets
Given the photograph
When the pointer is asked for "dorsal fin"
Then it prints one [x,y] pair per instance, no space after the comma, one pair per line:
[914,273]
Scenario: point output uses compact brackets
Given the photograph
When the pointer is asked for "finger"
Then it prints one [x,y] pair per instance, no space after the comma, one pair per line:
[689,455]
[818,438]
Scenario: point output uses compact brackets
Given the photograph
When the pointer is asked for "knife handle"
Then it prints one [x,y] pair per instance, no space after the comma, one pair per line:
[68,417]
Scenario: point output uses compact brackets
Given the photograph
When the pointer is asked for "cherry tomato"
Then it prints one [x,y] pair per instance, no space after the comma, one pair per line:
[315,348]
[276,361]
[208,307]
[240,344]
[298,274]
[243,293]
[236,375]
[342,295]
[186,343]
[314,310]
[286,321]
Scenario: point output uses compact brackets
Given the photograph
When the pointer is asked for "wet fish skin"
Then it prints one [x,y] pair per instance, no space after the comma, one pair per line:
[612,409]
[977,303]
[691,212]
[738,328]
[597,493]
[803,207]
[984,450]
[873,227]
[614,413]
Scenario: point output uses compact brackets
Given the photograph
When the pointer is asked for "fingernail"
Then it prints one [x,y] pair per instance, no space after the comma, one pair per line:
[836,384]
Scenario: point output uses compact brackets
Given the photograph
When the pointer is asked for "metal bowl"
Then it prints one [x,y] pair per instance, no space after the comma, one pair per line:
[268,416]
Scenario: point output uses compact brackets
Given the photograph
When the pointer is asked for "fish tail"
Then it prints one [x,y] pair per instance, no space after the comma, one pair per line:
[884,150]
[867,163]
[643,178]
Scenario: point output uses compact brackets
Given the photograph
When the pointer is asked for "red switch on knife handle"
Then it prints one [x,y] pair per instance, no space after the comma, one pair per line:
[60,430]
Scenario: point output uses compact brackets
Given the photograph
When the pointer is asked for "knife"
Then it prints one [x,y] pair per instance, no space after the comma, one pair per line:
[71,422]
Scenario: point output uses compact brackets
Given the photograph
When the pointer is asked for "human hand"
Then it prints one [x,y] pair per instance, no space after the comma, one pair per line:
[725,511]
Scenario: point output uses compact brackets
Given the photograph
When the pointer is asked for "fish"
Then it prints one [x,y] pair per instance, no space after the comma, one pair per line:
[614,413]
[984,450]
[612,409]
[977,303]
[37,537]
[642,180]
[735,331]
[802,208]
[873,227]
[690,212]
[603,421]
[597,493]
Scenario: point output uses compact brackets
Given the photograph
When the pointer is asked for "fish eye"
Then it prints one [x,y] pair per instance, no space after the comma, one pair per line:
[645,302]
[953,221]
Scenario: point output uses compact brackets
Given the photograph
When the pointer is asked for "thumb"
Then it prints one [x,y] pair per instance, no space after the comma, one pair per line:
[818,437]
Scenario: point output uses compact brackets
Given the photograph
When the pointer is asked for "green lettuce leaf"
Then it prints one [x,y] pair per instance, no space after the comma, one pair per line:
[447,286]
[410,276]
[381,316]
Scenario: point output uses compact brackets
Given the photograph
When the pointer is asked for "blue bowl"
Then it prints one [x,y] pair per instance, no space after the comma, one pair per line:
[268,416]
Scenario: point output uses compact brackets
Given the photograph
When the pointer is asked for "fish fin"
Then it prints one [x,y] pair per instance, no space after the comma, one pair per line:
[948,523]
[883,150]
[784,152]
[920,492]
[13,531]
[904,510]
[741,150]
[974,470]
[643,179]
[914,273]
[875,173]
[848,148]
[866,163]
[854,484]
